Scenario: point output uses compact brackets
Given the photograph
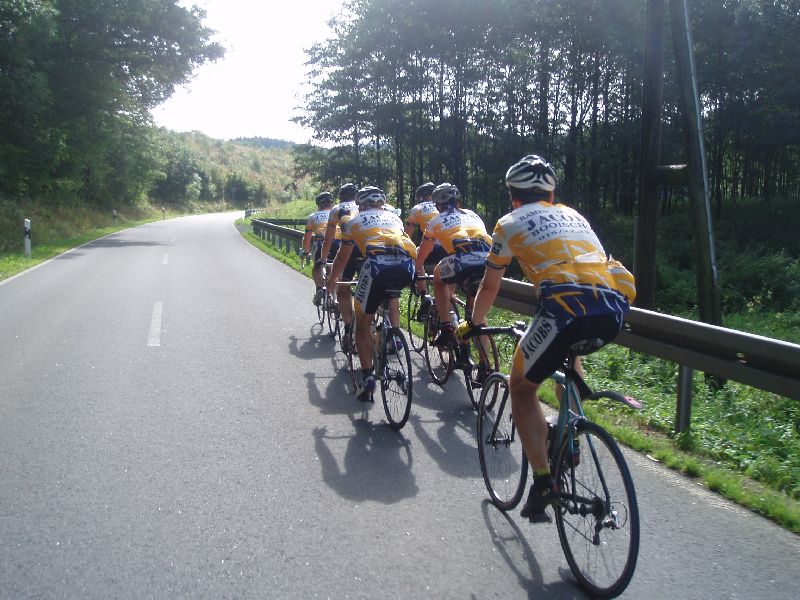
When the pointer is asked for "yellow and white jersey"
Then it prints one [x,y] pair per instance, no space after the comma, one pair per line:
[458,230]
[317,222]
[555,244]
[341,214]
[377,232]
[421,214]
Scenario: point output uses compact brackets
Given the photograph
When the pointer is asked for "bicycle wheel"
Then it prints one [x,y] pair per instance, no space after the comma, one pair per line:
[353,361]
[396,381]
[440,361]
[321,307]
[503,462]
[482,360]
[416,330]
[331,316]
[598,520]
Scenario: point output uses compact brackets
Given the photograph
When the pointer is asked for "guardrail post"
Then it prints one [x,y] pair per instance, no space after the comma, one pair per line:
[26,232]
[683,412]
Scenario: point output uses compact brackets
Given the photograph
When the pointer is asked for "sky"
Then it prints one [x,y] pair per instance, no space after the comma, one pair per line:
[254,89]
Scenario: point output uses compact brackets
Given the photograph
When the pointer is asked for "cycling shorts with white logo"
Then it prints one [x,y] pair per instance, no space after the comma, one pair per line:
[378,276]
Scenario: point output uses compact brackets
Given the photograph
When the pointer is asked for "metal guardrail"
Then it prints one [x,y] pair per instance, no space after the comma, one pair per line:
[759,362]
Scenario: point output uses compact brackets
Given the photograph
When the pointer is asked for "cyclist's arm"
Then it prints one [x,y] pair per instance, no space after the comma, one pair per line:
[307,241]
[342,256]
[410,228]
[424,250]
[330,235]
[487,292]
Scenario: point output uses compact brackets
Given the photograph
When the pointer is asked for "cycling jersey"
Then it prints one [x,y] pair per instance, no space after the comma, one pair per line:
[378,233]
[555,245]
[317,223]
[459,231]
[341,214]
[421,214]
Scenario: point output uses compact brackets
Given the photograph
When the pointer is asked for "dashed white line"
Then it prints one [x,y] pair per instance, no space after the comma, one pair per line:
[155,325]
[165,260]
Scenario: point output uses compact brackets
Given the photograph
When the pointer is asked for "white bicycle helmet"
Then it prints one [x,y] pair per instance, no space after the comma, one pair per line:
[370,196]
[532,172]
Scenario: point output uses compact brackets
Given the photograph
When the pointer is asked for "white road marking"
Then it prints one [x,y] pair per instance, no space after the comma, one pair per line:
[165,259]
[155,325]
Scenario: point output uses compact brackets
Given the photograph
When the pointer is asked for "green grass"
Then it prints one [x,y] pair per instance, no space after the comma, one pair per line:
[743,444]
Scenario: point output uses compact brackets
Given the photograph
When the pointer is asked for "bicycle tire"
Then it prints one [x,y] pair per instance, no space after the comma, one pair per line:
[440,361]
[503,462]
[417,340]
[479,355]
[321,307]
[331,316]
[598,519]
[353,361]
[396,379]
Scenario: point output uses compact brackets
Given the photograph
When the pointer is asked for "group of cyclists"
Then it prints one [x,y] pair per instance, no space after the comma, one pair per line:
[582,292]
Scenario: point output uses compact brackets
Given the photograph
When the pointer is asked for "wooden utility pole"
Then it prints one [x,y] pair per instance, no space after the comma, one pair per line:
[692,175]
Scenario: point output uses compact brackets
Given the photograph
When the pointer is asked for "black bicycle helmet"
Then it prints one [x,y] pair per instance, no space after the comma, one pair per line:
[324,198]
[446,193]
[347,192]
[424,191]
[532,172]
[370,196]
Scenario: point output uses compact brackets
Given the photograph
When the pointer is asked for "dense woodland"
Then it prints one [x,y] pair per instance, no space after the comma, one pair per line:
[410,90]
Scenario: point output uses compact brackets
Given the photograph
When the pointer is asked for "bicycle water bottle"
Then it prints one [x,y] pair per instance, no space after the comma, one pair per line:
[454,319]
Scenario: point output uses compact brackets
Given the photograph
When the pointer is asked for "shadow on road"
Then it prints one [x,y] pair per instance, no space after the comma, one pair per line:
[511,542]
[453,448]
[376,464]
[315,346]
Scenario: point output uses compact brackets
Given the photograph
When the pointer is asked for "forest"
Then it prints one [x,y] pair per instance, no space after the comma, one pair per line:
[457,90]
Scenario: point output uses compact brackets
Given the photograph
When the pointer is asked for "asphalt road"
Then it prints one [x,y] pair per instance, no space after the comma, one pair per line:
[172,425]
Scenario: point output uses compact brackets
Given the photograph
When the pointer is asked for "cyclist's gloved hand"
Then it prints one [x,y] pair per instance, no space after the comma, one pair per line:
[465,329]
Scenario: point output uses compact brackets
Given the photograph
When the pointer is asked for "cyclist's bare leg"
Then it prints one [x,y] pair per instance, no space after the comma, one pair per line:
[344,297]
[528,417]
[559,389]
[364,339]
[316,275]
[394,312]
[441,293]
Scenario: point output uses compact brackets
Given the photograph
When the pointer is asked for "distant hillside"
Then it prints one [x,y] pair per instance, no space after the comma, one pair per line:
[243,172]
[267,143]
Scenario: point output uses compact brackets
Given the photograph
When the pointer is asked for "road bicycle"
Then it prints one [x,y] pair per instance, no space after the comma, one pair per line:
[596,512]
[476,358]
[391,360]
[414,302]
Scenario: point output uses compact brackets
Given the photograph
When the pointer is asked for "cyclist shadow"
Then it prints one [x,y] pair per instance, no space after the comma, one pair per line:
[311,347]
[336,398]
[376,464]
[450,448]
[510,542]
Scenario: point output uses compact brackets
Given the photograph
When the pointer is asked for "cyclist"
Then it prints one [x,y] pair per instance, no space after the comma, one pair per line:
[462,235]
[315,232]
[388,265]
[418,218]
[422,212]
[582,294]
[338,217]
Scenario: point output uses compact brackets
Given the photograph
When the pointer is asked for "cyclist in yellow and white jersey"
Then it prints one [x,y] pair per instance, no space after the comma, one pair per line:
[462,235]
[388,266]
[422,212]
[338,218]
[315,232]
[582,295]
